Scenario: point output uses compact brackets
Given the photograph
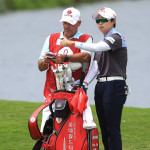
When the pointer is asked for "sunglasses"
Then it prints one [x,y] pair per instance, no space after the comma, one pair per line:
[102,20]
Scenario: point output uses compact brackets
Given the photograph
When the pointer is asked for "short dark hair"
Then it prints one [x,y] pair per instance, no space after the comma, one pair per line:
[114,23]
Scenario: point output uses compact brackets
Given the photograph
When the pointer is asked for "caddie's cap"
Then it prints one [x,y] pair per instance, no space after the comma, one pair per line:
[71,15]
[106,13]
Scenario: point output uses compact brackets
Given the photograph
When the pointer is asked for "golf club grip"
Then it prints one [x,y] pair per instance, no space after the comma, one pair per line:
[81,78]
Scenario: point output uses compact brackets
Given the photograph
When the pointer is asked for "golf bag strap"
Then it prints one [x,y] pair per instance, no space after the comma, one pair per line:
[33,124]
[47,146]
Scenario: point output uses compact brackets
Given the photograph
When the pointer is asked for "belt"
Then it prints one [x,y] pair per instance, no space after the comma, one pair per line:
[104,79]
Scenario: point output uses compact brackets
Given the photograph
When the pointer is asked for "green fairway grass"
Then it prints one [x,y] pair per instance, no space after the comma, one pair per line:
[14,133]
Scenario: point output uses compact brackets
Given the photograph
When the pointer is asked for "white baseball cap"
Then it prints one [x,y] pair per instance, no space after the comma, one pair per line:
[71,15]
[106,13]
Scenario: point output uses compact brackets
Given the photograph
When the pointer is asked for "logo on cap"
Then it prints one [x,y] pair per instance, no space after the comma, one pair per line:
[102,9]
[70,15]
[69,12]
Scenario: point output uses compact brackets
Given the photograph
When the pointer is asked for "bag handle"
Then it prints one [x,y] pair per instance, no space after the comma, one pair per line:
[81,78]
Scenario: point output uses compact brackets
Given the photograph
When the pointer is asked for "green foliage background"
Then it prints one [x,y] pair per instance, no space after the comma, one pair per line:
[6,5]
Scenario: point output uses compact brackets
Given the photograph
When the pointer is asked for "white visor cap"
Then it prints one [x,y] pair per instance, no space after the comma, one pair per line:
[106,13]
[71,15]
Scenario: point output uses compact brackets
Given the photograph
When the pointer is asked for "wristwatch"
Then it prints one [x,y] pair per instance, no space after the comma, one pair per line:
[66,58]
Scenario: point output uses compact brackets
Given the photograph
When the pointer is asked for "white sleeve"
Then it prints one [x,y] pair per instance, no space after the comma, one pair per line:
[92,72]
[89,40]
[93,47]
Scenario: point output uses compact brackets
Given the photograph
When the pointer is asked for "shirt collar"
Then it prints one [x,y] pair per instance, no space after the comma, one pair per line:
[110,32]
[76,36]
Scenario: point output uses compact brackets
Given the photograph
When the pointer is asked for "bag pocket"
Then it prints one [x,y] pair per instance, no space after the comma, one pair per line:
[62,108]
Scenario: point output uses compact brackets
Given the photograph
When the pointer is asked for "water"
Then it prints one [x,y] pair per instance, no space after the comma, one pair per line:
[22,35]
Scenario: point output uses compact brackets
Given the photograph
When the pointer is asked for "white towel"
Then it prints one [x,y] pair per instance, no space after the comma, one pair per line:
[88,121]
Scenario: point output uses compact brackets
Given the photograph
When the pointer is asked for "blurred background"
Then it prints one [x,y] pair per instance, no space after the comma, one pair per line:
[25,24]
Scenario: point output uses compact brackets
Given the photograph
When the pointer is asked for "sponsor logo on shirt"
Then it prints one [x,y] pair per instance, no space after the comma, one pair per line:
[110,39]
[65,51]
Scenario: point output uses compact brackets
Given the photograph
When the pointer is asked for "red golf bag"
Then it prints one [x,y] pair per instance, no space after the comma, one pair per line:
[67,131]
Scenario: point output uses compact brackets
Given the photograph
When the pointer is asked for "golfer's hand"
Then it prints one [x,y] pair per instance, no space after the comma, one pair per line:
[46,60]
[67,43]
[58,59]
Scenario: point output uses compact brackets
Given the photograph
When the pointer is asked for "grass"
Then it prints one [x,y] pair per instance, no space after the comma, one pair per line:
[14,134]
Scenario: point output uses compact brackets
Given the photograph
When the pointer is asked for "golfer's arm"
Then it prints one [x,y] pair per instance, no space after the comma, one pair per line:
[42,65]
[92,73]
[79,57]
[93,47]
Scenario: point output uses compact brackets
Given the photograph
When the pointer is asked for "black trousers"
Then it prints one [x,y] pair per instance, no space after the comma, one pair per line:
[110,97]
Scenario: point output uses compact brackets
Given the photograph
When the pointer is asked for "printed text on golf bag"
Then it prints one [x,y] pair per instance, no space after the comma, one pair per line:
[68,132]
